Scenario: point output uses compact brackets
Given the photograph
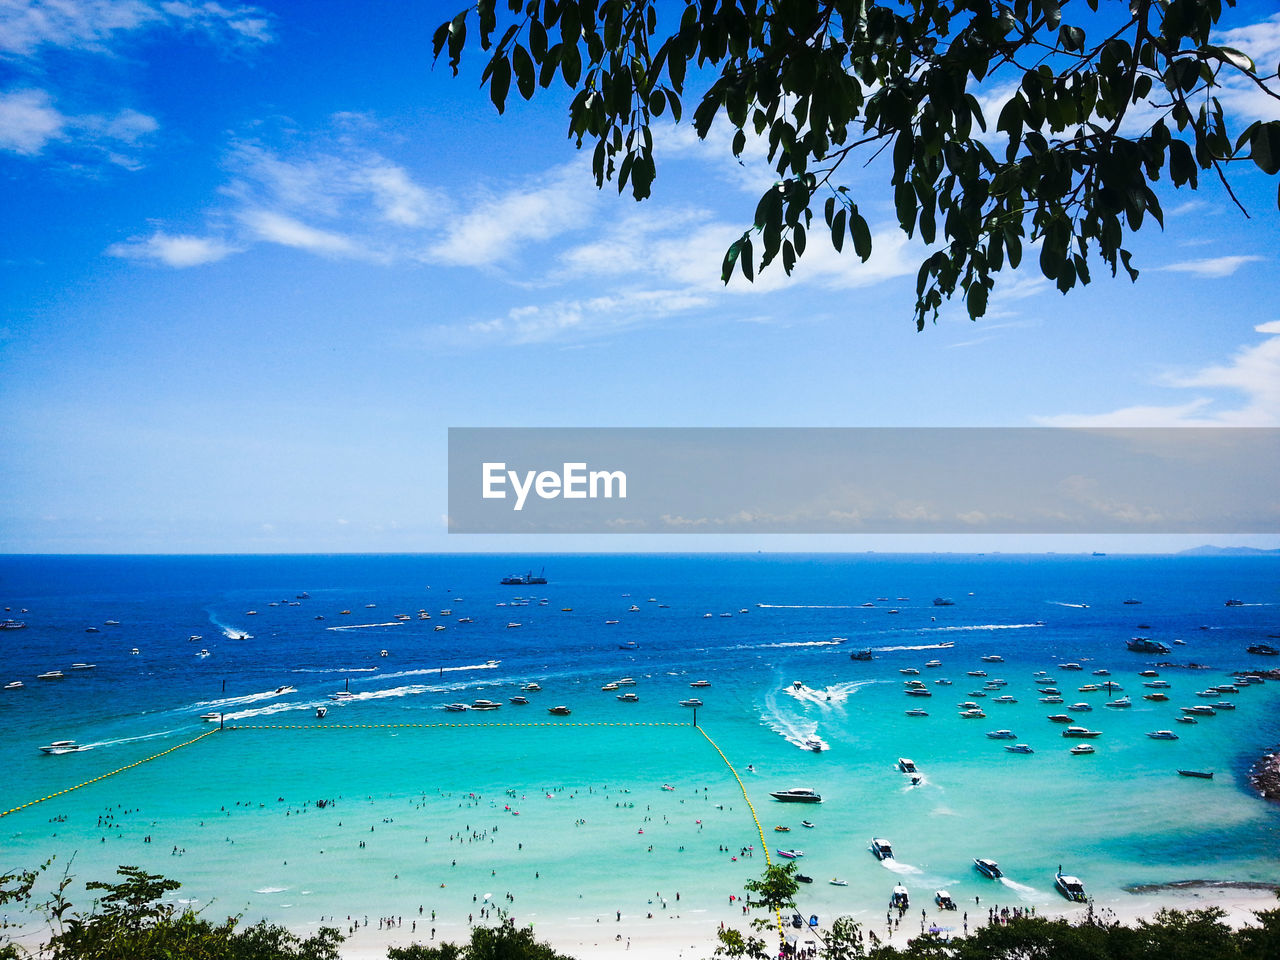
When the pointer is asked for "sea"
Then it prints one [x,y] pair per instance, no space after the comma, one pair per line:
[392,806]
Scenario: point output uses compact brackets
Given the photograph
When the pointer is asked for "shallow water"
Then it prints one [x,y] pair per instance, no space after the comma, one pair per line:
[550,810]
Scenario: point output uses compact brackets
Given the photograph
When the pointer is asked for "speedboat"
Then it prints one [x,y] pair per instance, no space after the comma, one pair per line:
[629,645]
[558,711]
[1054,699]
[83,666]
[881,848]
[1224,705]
[280,691]
[518,700]
[861,655]
[836,882]
[1070,666]
[909,671]
[1158,697]
[917,692]
[1082,748]
[814,744]
[342,695]
[974,714]
[791,854]
[1080,707]
[14,685]
[454,707]
[1186,719]
[988,868]
[628,698]
[1060,718]
[691,702]
[917,712]
[1102,672]
[211,717]
[977,673]
[796,795]
[992,658]
[51,675]
[700,683]
[1002,735]
[907,765]
[1200,710]
[807,824]
[609,687]
[1070,887]
[531,686]
[944,901]
[802,878]
[1081,733]
[1162,735]
[1019,748]
[934,663]
[1005,699]
[485,705]
[626,682]
[1122,703]
[63,746]
[1089,688]
[1157,684]
[899,899]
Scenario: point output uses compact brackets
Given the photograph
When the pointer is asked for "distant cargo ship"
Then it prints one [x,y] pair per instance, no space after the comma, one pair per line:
[526,580]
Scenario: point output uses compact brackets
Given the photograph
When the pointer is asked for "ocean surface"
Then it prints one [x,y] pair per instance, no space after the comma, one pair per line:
[620,807]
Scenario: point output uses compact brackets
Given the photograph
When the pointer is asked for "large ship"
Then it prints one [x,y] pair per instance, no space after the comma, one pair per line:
[1146,645]
[526,580]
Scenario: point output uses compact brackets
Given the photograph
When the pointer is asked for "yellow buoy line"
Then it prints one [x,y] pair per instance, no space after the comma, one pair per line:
[750,806]
[136,763]
[424,726]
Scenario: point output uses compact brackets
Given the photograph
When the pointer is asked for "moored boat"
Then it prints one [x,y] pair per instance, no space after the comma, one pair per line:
[796,795]
[988,868]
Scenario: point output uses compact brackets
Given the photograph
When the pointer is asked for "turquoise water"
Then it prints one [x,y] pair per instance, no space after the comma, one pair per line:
[569,815]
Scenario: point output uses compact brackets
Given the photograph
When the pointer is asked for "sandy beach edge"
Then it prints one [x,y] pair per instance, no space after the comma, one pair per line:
[694,937]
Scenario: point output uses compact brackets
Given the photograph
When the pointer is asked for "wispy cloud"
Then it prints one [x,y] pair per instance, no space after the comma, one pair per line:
[30,122]
[173,250]
[27,26]
[493,229]
[1212,266]
[280,229]
[1253,373]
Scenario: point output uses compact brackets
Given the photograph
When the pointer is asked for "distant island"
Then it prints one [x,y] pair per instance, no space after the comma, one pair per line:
[1208,550]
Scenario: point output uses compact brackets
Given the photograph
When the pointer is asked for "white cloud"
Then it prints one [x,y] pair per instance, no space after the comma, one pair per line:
[1212,266]
[496,227]
[30,122]
[286,231]
[1252,373]
[173,250]
[28,25]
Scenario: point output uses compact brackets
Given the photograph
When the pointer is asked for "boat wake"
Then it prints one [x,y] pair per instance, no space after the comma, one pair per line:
[945,645]
[234,701]
[837,693]
[898,867]
[795,730]
[782,644]
[329,670]
[1023,891]
[366,626]
[1077,606]
[145,736]
[436,671]
[805,606]
[987,626]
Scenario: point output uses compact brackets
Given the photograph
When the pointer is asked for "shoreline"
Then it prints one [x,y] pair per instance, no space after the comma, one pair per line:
[1264,773]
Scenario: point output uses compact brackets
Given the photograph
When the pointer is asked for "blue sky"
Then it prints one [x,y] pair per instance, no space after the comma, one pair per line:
[258,259]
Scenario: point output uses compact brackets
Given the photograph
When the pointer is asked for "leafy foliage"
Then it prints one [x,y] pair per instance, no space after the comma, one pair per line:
[131,919]
[1090,118]
[503,942]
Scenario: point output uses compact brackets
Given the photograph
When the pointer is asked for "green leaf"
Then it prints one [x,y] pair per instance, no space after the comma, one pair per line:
[861,234]
[1264,147]
[522,63]
[499,81]
[837,230]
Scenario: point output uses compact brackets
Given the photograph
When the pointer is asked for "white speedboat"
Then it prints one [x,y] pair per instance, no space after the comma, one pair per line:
[51,675]
[1070,887]
[609,687]
[83,666]
[917,712]
[628,697]
[63,746]
[899,899]
[1122,703]
[519,700]
[1002,735]
[907,765]
[1019,748]
[1162,735]
[558,711]
[342,695]
[14,685]
[992,658]
[211,717]
[988,868]
[943,899]
[814,744]
[1081,733]
[691,702]
[700,683]
[531,686]
[796,795]
[1005,699]
[456,707]
[1082,748]
[281,691]
[626,681]
[882,848]
[1080,707]
[485,705]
